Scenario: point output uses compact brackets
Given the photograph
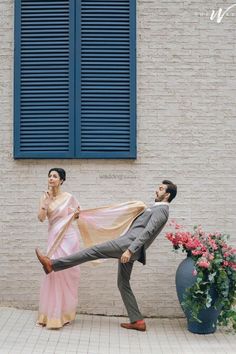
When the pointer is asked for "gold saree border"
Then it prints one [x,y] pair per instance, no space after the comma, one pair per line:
[54,323]
[59,238]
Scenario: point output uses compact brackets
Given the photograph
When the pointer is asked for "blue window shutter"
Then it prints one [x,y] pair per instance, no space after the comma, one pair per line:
[105,66]
[44,79]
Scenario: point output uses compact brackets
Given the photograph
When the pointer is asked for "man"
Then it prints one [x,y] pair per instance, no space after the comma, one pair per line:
[127,248]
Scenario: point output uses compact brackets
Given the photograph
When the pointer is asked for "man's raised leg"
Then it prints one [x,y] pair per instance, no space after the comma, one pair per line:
[105,250]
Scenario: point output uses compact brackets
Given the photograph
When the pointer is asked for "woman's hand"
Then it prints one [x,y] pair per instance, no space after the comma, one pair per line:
[47,199]
[76,213]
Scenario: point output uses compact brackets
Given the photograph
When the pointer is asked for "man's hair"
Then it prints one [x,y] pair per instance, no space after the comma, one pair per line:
[171,188]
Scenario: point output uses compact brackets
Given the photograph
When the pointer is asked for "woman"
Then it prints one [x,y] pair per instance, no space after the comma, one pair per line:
[58,293]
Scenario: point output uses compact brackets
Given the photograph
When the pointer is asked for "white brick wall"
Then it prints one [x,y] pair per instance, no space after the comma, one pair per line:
[186,132]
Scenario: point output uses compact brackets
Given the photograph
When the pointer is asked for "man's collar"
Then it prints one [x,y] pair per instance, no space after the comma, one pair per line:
[161,203]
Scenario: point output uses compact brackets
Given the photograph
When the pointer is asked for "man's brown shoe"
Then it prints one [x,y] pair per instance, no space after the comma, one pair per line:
[45,261]
[138,325]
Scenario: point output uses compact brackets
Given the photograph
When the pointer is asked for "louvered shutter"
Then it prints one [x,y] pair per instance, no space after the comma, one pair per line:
[44,79]
[106,97]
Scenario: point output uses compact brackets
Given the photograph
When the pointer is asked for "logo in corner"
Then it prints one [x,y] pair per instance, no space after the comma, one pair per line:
[219,14]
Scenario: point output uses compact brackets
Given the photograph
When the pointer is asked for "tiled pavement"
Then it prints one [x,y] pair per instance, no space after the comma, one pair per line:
[103,335]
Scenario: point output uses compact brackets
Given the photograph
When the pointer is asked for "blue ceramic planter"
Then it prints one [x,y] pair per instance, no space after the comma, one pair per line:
[184,279]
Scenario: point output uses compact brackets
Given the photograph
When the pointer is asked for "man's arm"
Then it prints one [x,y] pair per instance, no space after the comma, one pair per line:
[156,222]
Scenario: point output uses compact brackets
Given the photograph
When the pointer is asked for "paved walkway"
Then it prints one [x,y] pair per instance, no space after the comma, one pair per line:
[103,335]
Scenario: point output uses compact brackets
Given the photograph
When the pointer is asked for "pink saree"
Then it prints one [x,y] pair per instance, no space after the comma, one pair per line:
[59,291]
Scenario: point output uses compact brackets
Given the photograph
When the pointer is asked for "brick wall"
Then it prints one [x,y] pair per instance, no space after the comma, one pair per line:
[186,132]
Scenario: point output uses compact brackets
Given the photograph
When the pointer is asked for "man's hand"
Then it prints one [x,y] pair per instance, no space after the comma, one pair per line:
[76,213]
[125,257]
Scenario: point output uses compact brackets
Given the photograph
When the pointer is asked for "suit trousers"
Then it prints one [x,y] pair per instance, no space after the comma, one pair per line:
[108,249]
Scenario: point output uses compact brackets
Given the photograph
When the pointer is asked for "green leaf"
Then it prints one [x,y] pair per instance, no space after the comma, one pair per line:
[211,276]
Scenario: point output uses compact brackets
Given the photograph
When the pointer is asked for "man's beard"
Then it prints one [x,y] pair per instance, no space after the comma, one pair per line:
[159,199]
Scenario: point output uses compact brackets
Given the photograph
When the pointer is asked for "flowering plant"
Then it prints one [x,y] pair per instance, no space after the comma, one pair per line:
[214,266]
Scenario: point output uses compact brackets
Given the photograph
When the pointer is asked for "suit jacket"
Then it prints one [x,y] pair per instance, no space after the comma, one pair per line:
[143,231]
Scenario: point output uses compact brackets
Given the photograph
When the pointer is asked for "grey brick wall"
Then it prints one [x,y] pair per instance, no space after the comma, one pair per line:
[186,79]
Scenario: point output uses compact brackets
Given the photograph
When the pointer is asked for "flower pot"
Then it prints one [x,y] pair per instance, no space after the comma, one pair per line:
[185,279]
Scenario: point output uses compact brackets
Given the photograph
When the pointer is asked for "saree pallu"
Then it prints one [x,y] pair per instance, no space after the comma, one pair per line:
[59,291]
[101,224]
[109,222]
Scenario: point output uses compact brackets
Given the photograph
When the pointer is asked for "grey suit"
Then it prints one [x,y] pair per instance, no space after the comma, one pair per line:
[137,239]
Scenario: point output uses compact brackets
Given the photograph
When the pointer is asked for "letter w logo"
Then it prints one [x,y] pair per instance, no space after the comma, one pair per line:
[219,13]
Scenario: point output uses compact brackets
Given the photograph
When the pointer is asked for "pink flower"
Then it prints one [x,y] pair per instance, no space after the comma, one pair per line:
[224,246]
[194,272]
[199,228]
[196,252]
[212,244]
[230,264]
[203,263]
[176,226]
[210,257]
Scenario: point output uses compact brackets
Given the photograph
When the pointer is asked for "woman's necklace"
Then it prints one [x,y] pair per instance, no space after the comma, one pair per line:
[56,195]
